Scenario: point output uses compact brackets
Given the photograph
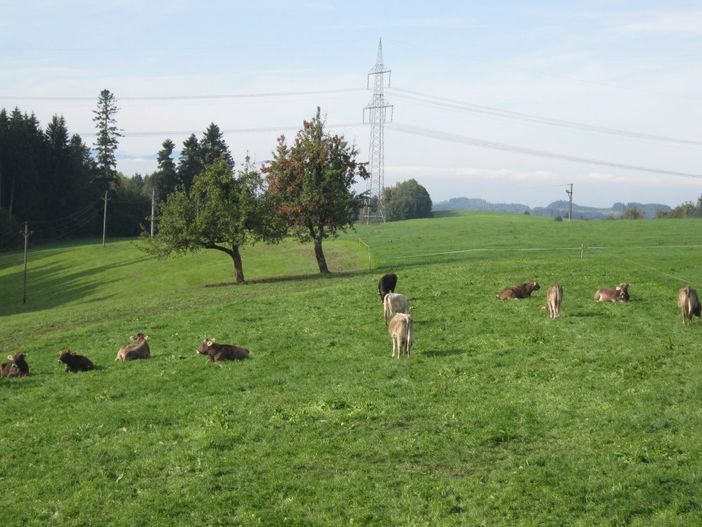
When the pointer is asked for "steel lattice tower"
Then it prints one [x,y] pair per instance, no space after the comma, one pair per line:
[377,114]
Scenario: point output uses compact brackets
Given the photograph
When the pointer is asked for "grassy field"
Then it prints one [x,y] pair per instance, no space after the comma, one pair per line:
[500,417]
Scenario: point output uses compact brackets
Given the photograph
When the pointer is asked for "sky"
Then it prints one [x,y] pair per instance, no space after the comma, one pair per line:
[507,101]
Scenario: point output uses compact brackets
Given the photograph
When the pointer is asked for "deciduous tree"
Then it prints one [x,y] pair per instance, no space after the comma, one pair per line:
[311,184]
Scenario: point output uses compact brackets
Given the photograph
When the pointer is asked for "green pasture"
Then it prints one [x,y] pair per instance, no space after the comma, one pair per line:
[500,417]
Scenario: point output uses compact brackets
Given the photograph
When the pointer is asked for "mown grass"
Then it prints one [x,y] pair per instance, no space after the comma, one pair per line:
[500,417]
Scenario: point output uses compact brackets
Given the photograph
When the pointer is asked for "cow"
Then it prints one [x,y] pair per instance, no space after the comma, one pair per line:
[400,329]
[17,367]
[74,362]
[518,291]
[138,349]
[394,303]
[386,285]
[613,294]
[689,304]
[554,297]
[216,352]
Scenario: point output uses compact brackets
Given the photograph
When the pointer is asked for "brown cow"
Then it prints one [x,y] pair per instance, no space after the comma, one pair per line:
[613,294]
[554,297]
[518,291]
[216,352]
[74,362]
[138,349]
[689,304]
[400,329]
[17,367]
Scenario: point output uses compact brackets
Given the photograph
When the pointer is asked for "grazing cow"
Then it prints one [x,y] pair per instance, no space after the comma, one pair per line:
[613,294]
[217,352]
[554,297]
[394,303]
[387,285]
[138,349]
[400,329]
[689,304]
[518,291]
[75,362]
[17,367]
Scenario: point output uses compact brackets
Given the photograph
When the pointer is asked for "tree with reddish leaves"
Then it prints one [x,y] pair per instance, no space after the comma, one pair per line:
[310,184]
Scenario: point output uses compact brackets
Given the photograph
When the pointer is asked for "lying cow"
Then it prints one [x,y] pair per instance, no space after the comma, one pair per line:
[386,285]
[400,329]
[518,291]
[689,304]
[554,297]
[394,303]
[17,367]
[216,352]
[613,294]
[138,349]
[74,362]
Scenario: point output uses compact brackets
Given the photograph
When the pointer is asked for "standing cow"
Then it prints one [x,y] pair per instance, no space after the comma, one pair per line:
[400,329]
[394,303]
[386,285]
[689,304]
[554,297]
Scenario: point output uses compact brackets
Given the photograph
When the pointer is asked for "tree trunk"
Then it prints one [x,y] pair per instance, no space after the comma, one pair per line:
[238,267]
[319,253]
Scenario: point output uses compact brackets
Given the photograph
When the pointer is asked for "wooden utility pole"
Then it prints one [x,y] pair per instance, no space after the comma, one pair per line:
[104,220]
[570,196]
[153,201]
[26,255]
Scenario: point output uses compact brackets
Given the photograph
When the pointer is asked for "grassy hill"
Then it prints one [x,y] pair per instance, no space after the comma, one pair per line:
[500,417]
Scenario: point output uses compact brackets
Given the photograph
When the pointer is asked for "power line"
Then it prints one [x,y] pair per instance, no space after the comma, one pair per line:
[166,133]
[252,95]
[462,139]
[453,104]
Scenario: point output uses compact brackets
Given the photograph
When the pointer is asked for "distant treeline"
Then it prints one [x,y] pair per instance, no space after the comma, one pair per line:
[560,208]
[50,179]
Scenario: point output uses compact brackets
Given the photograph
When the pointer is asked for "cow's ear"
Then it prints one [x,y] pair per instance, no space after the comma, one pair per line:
[212,340]
[617,288]
[10,357]
[146,337]
[209,342]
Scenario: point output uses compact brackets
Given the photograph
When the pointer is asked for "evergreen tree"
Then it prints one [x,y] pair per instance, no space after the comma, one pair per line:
[213,147]
[189,162]
[311,182]
[107,139]
[166,175]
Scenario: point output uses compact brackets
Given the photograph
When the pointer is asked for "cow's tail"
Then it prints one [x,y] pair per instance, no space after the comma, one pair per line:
[408,335]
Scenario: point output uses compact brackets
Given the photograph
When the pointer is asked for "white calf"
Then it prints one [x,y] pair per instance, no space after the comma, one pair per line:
[394,303]
[400,330]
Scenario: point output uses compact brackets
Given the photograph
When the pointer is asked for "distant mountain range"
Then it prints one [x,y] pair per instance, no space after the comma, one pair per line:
[557,208]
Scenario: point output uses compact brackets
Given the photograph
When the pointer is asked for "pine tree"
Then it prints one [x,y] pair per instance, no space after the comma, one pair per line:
[213,147]
[108,135]
[166,175]
[189,163]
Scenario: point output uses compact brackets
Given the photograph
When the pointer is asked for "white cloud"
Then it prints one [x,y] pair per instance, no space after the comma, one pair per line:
[688,23]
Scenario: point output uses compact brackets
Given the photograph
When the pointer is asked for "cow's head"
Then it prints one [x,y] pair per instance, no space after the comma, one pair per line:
[139,337]
[205,347]
[65,355]
[534,286]
[19,362]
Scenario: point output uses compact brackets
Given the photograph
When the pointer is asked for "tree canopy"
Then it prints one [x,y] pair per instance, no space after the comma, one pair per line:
[222,211]
[406,200]
[311,183]
[107,139]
